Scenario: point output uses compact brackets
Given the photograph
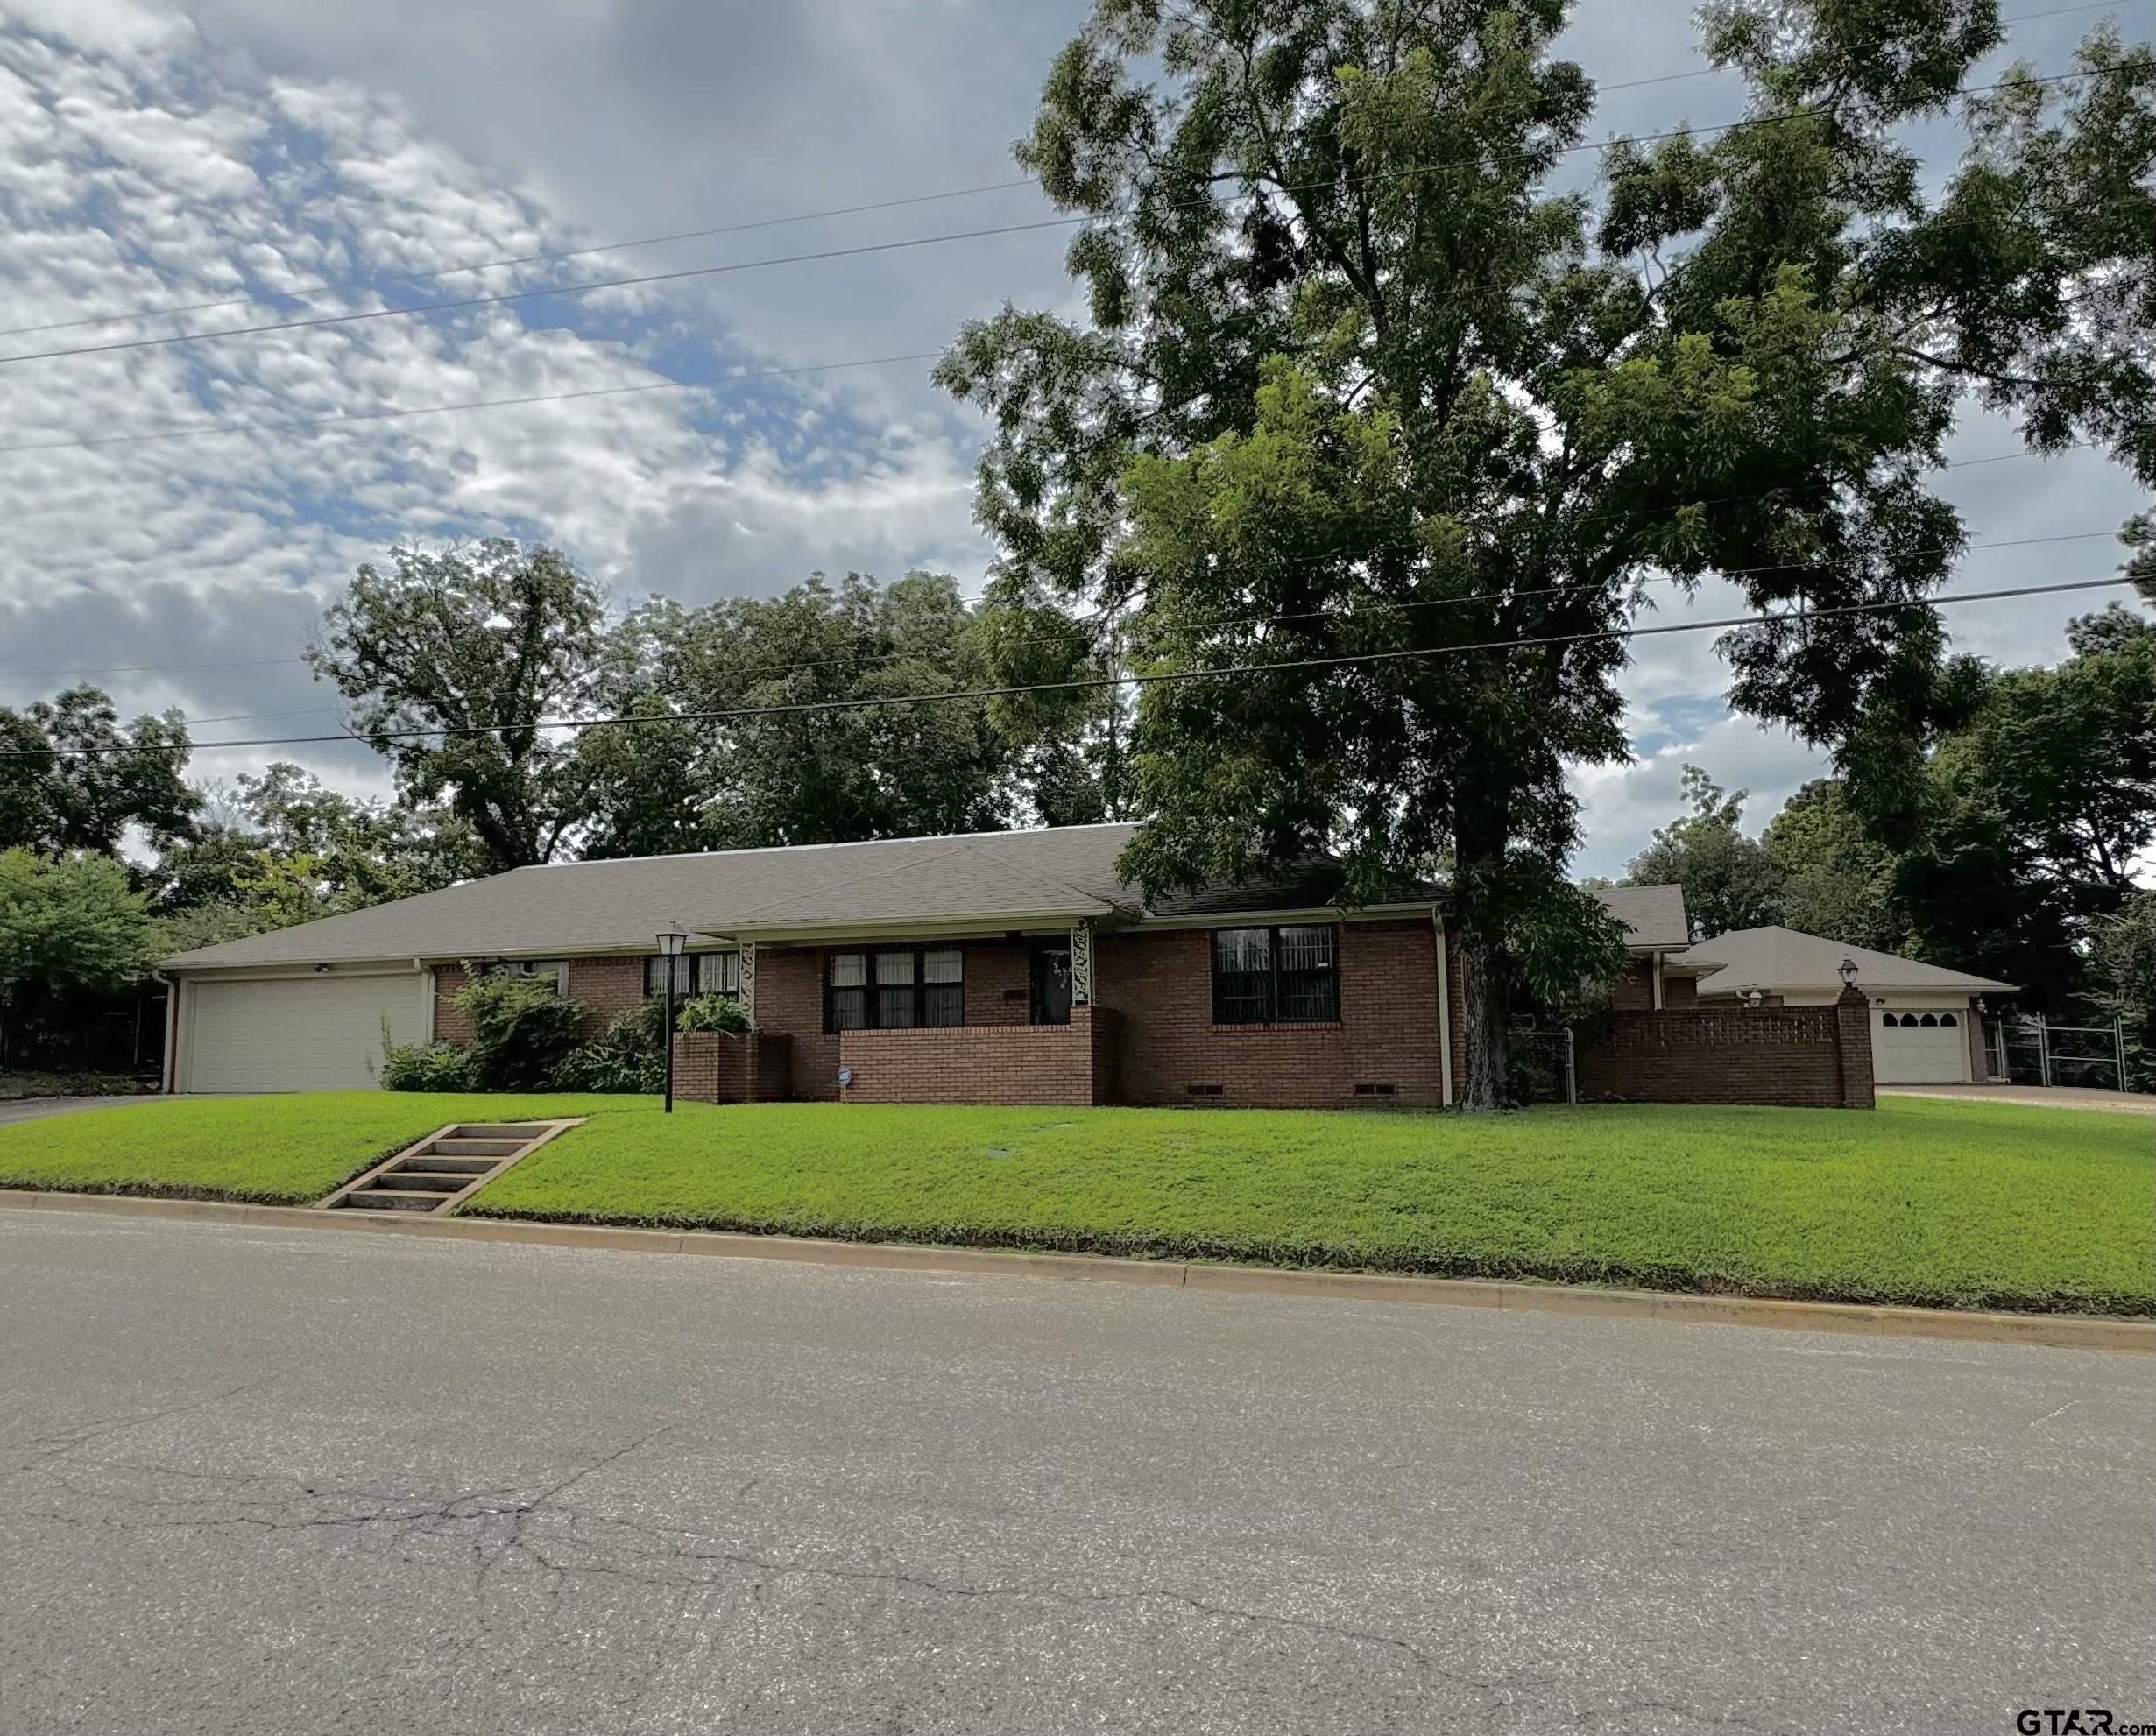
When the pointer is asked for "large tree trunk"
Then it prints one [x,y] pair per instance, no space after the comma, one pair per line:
[1486,1017]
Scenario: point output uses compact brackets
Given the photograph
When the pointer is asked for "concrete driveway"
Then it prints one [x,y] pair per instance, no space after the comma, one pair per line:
[260,1479]
[2038,1096]
[32,1109]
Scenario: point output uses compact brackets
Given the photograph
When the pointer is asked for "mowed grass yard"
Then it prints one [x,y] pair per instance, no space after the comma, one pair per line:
[269,1150]
[1940,1203]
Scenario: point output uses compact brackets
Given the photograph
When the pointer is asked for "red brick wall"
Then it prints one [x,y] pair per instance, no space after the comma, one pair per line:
[1814,1057]
[789,1000]
[997,1062]
[1633,992]
[719,1066]
[608,987]
[1162,984]
[451,1025]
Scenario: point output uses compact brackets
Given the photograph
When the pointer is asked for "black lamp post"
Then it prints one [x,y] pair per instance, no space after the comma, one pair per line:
[671,941]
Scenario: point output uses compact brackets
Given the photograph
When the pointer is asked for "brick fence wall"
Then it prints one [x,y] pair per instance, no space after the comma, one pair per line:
[982,1063]
[1161,983]
[1806,1057]
[720,1067]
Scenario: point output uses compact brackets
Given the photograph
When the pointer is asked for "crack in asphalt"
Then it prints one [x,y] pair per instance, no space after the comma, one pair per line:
[560,1542]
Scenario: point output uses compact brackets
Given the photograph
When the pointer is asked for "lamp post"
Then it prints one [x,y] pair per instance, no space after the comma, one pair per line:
[671,941]
[1848,968]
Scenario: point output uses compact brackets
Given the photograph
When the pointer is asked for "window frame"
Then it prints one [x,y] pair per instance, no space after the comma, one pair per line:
[1273,976]
[921,990]
[698,967]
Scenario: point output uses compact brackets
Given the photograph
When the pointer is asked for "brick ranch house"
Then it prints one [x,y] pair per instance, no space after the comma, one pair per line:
[1005,967]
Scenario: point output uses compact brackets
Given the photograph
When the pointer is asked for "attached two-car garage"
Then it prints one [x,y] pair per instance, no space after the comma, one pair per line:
[322,1031]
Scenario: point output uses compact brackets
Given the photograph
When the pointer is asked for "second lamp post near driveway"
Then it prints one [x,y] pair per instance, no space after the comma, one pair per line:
[671,941]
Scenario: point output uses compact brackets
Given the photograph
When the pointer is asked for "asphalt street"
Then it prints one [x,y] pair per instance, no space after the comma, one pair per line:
[273,1480]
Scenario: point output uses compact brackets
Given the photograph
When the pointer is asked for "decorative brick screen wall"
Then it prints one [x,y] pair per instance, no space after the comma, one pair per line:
[1804,1057]
[720,1067]
[1161,983]
[982,1063]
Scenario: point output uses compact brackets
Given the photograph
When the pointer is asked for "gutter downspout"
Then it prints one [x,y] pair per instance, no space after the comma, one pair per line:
[1657,981]
[168,1076]
[427,1001]
[1445,1011]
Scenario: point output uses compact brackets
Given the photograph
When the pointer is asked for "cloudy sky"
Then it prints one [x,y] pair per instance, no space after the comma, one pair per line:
[253,160]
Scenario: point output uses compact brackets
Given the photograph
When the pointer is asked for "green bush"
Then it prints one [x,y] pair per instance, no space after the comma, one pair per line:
[713,1013]
[427,1067]
[628,1056]
[522,1029]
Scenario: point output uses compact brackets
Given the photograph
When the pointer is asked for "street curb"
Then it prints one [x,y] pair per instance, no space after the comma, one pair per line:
[2062,1331]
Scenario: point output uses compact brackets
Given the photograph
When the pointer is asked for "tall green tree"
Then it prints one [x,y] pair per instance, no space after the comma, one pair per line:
[69,925]
[1359,375]
[2123,969]
[2032,815]
[822,774]
[451,660]
[1729,879]
[72,778]
[1836,879]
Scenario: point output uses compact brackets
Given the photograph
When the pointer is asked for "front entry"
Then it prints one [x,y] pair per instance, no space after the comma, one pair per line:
[1051,985]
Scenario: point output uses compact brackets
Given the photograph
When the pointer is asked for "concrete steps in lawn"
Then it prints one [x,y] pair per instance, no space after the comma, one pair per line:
[445,1168]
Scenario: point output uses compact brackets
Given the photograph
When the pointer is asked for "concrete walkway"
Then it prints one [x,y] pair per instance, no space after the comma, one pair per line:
[2042,1097]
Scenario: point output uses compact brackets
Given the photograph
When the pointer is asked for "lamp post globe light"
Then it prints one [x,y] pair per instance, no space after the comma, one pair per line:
[1847,968]
[671,941]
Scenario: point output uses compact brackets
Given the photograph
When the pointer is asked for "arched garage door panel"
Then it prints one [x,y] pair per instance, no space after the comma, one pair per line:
[1920,1045]
[307,1033]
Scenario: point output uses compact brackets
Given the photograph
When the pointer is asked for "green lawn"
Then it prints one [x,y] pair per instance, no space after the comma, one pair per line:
[277,1150]
[1943,1203]
[1955,1204]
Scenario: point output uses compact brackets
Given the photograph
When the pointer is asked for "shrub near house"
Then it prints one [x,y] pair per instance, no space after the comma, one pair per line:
[526,1036]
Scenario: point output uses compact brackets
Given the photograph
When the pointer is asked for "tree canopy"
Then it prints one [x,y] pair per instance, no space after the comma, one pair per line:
[71,778]
[822,774]
[450,662]
[1364,374]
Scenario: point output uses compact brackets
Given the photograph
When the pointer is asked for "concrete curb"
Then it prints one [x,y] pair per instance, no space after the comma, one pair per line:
[2063,1331]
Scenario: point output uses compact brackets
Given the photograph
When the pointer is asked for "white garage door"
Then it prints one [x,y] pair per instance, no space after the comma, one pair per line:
[308,1034]
[1919,1046]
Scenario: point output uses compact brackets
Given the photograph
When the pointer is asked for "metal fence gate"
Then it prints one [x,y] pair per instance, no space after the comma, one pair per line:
[2033,1051]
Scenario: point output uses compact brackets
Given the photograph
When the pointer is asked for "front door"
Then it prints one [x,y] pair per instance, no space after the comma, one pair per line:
[1051,985]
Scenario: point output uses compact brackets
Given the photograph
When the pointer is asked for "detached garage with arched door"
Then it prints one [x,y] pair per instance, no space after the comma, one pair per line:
[1927,1022]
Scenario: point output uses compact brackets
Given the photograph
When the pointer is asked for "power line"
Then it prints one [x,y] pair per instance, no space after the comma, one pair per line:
[204,430]
[529,258]
[375,738]
[1260,620]
[647,280]
[558,255]
[514,295]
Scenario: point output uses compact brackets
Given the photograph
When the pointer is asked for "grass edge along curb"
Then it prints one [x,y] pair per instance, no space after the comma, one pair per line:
[2064,1332]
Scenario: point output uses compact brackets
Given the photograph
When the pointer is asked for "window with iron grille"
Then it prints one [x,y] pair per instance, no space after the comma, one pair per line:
[695,973]
[894,989]
[1276,976]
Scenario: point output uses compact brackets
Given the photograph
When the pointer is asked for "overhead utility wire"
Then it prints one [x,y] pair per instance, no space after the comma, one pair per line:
[1086,683]
[645,279]
[757,223]
[1065,637]
[204,430]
